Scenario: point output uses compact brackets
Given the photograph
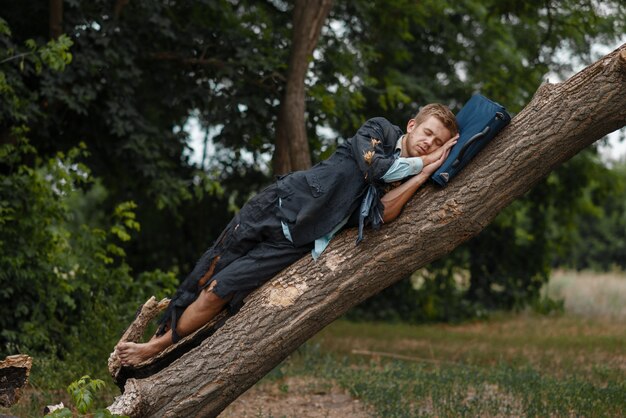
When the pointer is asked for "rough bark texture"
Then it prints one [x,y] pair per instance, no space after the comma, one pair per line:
[14,372]
[56,18]
[134,332]
[292,147]
[561,120]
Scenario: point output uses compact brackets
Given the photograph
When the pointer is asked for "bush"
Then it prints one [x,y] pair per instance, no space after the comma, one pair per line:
[61,281]
[65,287]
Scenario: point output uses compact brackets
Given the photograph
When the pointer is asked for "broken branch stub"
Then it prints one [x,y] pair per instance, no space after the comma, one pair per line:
[14,373]
[134,332]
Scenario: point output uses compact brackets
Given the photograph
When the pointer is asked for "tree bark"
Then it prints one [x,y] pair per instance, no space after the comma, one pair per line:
[14,372]
[135,331]
[560,120]
[291,151]
[119,6]
[56,18]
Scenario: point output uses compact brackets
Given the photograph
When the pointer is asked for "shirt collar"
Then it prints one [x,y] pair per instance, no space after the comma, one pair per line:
[399,145]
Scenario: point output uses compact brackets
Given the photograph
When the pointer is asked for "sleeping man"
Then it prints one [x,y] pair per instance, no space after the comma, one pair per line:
[300,213]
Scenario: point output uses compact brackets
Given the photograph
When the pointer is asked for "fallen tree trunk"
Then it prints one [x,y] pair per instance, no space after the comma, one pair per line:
[561,120]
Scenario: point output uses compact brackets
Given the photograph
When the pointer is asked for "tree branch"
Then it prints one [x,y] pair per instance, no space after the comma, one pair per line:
[173,56]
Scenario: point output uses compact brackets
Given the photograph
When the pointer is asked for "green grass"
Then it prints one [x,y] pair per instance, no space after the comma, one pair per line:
[572,364]
[509,366]
[49,378]
[557,343]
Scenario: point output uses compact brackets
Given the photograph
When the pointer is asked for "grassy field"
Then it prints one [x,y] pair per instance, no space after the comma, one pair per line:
[561,365]
[509,366]
[590,295]
[572,364]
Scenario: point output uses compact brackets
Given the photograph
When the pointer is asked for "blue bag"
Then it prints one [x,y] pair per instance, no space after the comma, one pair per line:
[479,121]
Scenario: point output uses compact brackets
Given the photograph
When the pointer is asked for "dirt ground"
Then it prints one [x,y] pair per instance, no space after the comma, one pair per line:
[302,397]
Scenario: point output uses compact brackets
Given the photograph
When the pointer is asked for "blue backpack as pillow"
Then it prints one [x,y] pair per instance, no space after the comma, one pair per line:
[479,122]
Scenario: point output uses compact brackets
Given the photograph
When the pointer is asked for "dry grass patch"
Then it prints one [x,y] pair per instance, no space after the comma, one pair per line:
[298,397]
[590,294]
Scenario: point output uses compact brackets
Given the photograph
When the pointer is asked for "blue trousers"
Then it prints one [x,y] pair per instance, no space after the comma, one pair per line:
[250,251]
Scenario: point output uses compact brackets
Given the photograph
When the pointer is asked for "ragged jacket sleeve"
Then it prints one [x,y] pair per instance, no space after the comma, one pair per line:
[373,147]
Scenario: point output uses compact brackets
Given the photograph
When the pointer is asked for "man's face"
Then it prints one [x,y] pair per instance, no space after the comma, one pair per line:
[424,138]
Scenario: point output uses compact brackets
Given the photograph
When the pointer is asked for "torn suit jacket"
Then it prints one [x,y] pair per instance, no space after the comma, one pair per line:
[314,201]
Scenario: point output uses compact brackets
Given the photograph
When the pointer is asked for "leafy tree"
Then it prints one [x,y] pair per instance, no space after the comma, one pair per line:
[418,53]
[597,233]
[143,70]
[63,277]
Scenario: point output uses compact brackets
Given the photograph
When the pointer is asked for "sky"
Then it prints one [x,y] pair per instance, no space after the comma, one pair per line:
[615,149]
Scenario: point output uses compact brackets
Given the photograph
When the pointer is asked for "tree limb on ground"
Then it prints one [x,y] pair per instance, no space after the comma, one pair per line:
[560,121]
[14,372]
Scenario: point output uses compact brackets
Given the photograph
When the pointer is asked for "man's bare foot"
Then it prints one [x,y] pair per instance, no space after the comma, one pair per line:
[131,354]
[202,310]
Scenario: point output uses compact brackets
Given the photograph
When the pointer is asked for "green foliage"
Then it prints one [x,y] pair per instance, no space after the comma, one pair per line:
[55,54]
[597,233]
[126,96]
[139,78]
[444,51]
[511,260]
[15,101]
[544,305]
[63,275]
[56,279]
[507,366]
[433,294]
[82,392]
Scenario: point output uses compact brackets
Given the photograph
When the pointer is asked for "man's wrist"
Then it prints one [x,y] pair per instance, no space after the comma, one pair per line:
[420,178]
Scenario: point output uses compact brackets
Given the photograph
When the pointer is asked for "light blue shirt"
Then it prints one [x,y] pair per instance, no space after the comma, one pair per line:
[401,168]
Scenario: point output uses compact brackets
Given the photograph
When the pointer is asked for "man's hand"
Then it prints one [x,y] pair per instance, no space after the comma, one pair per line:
[395,199]
[431,165]
[436,154]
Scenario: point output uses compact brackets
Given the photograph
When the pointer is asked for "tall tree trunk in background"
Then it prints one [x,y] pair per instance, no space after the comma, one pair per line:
[292,147]
[119,6]
[56,18]
[561,120]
